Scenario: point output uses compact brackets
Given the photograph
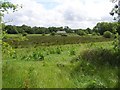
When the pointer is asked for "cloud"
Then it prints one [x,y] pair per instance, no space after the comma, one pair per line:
[72,13]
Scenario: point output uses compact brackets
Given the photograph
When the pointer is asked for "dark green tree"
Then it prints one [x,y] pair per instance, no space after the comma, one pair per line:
[89,31]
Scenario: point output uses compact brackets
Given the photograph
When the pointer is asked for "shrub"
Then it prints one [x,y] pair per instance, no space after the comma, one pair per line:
[37,56]
[58,51]
[107,34]
[94,34]
[72,52]
[100,56]
[65,35]
[43,34]
[52,51]
[24,34]
[97,34]
[81,32]
[41,57]
[117,42]
[52,34]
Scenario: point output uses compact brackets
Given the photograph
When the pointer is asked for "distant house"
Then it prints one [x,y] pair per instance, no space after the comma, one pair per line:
[61,32]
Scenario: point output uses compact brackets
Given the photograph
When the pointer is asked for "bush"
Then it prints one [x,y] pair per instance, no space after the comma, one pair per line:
[24,34]
[58,51]
[41,57]
[95,34]
[107,34]
[81,32]
[65,35]
[37,56]
[100,56]
[43,34]
[52,34]
[72,52]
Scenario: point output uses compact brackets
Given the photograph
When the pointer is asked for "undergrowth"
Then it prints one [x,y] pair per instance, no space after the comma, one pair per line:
[90,65]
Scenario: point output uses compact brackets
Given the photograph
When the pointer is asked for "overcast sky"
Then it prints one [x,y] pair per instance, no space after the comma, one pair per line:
[72,13]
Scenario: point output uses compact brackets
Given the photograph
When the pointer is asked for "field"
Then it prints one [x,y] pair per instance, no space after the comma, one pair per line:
[61,62]
[38,40]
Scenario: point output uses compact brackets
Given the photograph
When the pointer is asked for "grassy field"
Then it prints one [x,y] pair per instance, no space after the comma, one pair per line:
[70,65]
[47,40]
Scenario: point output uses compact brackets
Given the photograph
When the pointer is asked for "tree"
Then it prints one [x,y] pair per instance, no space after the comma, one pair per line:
[81,32]
[89,31]
[4,6]
[67,29]
[52,29]
[11,29]
[116,10]
[6,48]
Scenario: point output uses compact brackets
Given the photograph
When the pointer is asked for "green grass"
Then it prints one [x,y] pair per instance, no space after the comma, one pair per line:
[63,66]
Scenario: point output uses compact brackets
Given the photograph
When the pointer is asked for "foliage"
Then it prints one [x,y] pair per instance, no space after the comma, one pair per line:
[68,30]
[81,32]
[88,31]
[102,56]
[116,42]
[65,35]
[107,34]
[38,40]
[58,51]
[57,70]
[6,48]
[96,34]
[116,10]
[24,34]
[104,26]
[53,34]
[11,29]
[4,6]
[72,52]
[99,28]
[38,56]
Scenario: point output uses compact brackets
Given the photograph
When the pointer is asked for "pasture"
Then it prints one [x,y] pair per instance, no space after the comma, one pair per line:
[61,62]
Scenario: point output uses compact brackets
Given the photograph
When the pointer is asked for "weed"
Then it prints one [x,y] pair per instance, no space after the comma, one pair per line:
[72,52]
[41,57]
[95,84]
[60,65]
[58,50]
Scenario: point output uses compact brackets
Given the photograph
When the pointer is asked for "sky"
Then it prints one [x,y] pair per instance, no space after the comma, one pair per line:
[71,13]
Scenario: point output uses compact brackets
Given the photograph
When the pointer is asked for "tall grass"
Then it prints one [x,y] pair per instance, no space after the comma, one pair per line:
[37,40]
[89,65]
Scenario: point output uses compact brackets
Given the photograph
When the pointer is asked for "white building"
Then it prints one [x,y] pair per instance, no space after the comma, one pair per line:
[61,32]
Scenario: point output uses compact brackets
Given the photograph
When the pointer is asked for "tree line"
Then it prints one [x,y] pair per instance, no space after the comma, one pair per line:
[99,29]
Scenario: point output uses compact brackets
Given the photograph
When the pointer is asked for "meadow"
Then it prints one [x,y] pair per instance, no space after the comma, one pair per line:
[61,62]
[35,40]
